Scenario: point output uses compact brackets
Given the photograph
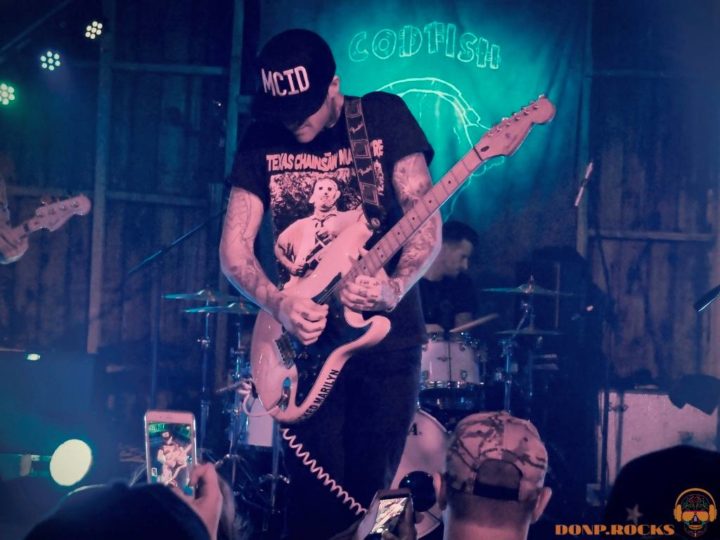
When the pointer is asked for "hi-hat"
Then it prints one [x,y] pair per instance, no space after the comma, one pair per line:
[473,324]
[529,288]
[205,295]
[236,308]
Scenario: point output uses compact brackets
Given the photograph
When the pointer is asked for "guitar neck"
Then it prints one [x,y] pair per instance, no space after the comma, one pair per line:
[28,226]
[402,231]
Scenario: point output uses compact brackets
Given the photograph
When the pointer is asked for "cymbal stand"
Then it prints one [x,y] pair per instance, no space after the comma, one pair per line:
[205,343]
[274,477]
[507,355]
[508,345]
[238,419]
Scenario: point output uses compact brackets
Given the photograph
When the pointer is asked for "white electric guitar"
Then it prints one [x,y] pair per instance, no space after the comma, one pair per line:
[293,380]
[13,241]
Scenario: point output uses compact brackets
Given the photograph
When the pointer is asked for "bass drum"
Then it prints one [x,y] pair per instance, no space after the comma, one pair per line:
[425,449]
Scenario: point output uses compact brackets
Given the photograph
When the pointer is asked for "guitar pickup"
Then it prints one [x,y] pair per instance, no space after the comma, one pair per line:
[288,348]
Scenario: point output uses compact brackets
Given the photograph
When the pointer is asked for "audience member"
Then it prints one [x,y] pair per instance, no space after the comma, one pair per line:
[147,511]
[660,487]
[493,488]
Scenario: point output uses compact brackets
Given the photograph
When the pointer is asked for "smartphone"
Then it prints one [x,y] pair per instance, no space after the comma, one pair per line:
[170,448]
[387,508]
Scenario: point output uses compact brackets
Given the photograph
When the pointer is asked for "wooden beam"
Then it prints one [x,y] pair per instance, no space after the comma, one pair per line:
[651,236]
[102,156]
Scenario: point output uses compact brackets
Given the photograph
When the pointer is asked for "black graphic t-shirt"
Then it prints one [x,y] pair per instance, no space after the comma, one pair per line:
[313,194]
[445,298]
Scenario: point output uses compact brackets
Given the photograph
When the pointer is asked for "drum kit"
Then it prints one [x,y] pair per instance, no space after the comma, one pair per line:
[457,379]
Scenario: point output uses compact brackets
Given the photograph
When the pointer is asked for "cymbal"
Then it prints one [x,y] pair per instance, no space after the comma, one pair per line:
[529,331]
[473,324]
[236,308]
[529,288]
[205,295]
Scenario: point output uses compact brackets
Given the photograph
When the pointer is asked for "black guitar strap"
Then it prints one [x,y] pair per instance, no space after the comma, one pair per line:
[362,160]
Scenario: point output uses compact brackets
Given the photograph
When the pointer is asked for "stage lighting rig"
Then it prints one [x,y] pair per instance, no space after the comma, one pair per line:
[50,60]
[93,30]
[7,94]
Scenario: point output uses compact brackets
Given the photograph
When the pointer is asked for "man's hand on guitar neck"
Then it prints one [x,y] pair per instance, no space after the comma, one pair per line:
[371,294]
[302,317]
[13,245]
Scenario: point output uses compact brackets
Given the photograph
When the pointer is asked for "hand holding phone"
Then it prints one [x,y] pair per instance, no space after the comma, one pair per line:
[170,448]
[390,515]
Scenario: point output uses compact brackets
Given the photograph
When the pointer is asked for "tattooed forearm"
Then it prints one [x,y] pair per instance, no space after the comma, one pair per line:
[237,258]
[411,179]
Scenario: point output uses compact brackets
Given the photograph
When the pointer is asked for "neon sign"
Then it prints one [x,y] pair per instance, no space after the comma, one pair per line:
[435,38]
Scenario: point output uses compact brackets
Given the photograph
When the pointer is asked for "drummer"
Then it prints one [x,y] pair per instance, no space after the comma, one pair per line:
[447,292]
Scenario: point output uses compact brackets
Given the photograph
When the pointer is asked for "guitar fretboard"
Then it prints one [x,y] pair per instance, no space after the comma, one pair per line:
[400,233]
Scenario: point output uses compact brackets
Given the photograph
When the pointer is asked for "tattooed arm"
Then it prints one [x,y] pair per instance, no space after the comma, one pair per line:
[300,316]
[411,179]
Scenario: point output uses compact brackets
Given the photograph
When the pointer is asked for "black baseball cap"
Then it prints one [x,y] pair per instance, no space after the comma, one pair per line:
[295,68]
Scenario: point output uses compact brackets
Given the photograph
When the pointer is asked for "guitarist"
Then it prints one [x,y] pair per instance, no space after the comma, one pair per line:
[297,142]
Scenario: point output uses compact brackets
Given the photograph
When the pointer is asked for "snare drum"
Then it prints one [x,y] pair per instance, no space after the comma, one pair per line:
[425,449]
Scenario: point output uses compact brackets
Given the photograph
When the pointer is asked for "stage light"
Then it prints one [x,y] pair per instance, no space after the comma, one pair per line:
[32,357]
[70,462]
[50,60]
[93,30]
[7,94]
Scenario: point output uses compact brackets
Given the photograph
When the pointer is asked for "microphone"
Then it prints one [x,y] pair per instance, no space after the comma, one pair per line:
[706,299]
[586,179]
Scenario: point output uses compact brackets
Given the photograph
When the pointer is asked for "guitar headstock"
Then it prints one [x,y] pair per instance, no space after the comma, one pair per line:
[505,137]
[54,215]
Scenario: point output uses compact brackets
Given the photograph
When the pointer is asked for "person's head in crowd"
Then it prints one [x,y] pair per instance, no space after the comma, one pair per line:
[458,242]
[298,86]
[117,511]
[677,486]
[493,487]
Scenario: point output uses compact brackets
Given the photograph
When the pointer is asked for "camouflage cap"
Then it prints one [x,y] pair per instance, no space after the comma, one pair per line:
[498,436]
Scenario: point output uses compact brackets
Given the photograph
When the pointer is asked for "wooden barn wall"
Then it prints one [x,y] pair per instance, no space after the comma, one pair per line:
[166,157]
[655,139]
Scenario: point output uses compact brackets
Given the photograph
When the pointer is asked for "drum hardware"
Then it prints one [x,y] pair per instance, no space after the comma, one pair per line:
[529,331]
[208,296]
[530,289]
[472,324]
[234,305]
[250,427]
[526,327]
[204,295]
[234,308]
